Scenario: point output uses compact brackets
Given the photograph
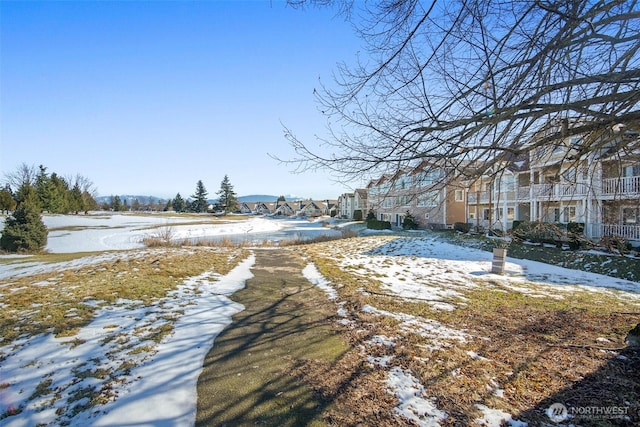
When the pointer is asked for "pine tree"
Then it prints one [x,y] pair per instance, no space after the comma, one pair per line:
[24,230]
[116,203]
[409,222]
[200,204]
[179,204]
[59,195]
[227,197]
[76,201]
[7,202]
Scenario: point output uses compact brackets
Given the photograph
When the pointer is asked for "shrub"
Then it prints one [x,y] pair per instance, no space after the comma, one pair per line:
[462,227]
[517,223]
[575,235]
[375,224]
[615,244]
[357,215]
[409,222]
[371,215]
[539,232]
[24,230]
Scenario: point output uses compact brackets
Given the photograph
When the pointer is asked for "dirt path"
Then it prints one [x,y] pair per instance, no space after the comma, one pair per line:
[245,379]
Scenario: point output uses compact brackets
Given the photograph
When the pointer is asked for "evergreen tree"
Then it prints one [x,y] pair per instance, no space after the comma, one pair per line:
[179,204]
[24,230]
[59,194]
[7,202]
[76,201]
[27,194]
[43,189]
[227,197]
[116,203]
[281,199]
[200,204]
[409,222]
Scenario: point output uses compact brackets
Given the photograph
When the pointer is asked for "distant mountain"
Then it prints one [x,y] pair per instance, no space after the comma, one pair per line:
[252,198]
[130,198]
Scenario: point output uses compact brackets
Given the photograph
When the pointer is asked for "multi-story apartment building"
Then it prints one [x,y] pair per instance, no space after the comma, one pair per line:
[350,203]
[426,191]
[562,183]
[559,182]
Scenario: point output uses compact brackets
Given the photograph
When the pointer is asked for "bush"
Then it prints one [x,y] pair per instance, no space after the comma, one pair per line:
[540,232]
[517,223]
[462,227]
[615,244]
[24,230]
[357,215]
[371,215]
[374,224]
[409,222]
[575,235]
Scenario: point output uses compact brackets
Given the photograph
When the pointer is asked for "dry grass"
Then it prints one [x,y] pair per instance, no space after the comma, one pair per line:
[524,352]
[62,302]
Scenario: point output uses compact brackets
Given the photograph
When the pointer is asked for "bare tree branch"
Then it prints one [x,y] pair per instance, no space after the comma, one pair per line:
[463,82]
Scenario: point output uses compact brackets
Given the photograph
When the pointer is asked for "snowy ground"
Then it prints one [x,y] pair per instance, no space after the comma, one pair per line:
[160,390]
[116,232]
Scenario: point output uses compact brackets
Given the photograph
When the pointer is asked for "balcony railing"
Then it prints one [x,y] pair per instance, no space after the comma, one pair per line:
[629,232]
[523,193]
[473,198]
[627,185]
[560,191]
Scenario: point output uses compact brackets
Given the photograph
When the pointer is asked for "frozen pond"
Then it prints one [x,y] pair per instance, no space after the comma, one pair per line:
[107,231]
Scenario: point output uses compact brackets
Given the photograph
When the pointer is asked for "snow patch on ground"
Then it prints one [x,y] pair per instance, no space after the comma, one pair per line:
[413,405]
[497,418]
[311,273]
[151,384]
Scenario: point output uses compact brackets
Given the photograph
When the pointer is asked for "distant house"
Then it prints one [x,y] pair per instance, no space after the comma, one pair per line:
[345,205]
[263,208]
[284,209]
[310,209]
[247,207]
[349,203]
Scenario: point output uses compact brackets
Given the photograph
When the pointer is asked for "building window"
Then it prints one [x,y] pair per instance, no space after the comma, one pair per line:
[633,170]
[510,214]
[485,214]
[570,214]
[430,198]
[403,200]
[629,216]
[459,196]
[426,216]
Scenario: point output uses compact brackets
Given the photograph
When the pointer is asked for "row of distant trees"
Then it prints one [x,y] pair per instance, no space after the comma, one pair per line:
[227,199]
[27,193]
[47,192]
[198,202]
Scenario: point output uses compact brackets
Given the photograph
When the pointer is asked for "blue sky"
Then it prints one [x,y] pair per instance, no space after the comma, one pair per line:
[148,97]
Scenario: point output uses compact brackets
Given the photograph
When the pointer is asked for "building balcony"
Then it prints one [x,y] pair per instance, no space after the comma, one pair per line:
[629,232]
[624,186]
[559,191]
